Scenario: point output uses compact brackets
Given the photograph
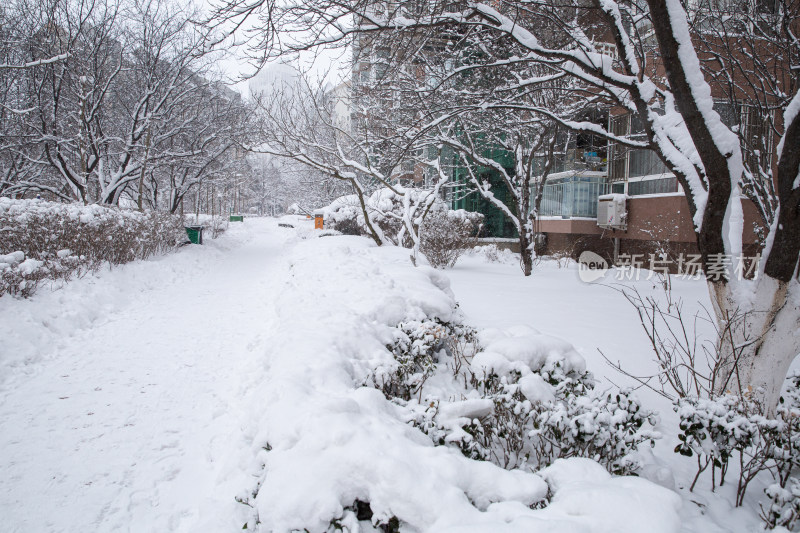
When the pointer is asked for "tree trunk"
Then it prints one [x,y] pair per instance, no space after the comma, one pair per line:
[759,337]
[144,170]
[367,221]
[525,252]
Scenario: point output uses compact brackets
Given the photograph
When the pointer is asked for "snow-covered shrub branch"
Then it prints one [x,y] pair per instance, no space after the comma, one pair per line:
[688,366]
[518,399]
[725,429]
[415,347]
[45,240]
[447,234]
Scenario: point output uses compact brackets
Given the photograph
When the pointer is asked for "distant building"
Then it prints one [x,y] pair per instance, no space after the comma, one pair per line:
[342,108]
[273,77]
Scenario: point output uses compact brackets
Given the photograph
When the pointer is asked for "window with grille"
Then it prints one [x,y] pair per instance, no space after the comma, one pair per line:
[618,154]
[624,162]
[656,186]
[755,135]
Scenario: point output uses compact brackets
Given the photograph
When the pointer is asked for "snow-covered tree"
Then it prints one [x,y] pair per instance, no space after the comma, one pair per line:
[117,99]
[643,58]
[298,124]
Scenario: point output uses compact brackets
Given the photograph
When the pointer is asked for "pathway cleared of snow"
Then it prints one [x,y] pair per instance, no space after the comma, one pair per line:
[130,421]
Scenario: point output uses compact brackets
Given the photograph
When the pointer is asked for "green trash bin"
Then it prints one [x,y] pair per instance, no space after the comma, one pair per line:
[195,234]
[237,218]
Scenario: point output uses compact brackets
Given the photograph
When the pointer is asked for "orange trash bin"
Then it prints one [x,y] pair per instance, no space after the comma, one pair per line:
[319,220]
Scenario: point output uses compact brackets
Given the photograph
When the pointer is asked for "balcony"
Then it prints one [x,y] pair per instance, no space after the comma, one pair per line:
[573,196]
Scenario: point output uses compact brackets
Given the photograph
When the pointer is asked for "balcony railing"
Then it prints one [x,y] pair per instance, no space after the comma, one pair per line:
[575,196]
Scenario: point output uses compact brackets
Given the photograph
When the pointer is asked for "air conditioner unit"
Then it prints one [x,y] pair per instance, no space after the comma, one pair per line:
[612,211]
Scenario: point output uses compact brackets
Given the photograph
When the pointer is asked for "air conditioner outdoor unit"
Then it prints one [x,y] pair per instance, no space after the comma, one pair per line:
[612,211]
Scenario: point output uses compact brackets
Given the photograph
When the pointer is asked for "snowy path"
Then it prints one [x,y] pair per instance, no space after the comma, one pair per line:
[129,425]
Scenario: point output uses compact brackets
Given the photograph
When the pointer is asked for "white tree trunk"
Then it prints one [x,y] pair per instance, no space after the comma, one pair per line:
[759,325]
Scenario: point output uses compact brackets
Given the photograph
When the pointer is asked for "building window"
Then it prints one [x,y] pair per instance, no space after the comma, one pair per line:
[617,154]
[755,134]
[656,186]
[624,162]
[645,163]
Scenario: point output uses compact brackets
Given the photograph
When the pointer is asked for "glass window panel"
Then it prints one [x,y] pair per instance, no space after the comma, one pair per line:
[657,186]
[572,197]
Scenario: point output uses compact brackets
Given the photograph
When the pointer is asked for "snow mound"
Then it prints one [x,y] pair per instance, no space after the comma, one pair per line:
[523,350]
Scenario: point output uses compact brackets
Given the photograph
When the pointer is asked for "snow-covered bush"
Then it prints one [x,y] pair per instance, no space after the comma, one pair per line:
[516,398]
[384,206]
[531,426]
[545,408]
[718,429]
[492,253]
[347,225]
[416,348]
[784,507]
[218,224]
[386,210]
[445,234]
[713,430]
[784,494]
[448,234]
[344,215]
[347,451]
[58,241]
[21,277]
[362,512]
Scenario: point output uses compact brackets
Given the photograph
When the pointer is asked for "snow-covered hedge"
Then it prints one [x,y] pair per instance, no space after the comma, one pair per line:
[729,429]
[46,241]
[491,253]
[332,453]
[344,214]
[444,236]
[522,401]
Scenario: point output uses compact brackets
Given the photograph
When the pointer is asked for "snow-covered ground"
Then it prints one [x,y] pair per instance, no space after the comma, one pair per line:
[595,318]
[126,396]
[219,387]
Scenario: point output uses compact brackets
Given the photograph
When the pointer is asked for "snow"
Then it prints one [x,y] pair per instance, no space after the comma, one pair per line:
[88,214]
[222,385]
[522,348]
[123,392]
[595,317]
[13,258]
[613,196]
[586,490]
